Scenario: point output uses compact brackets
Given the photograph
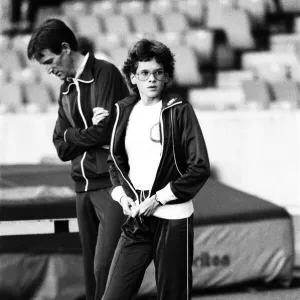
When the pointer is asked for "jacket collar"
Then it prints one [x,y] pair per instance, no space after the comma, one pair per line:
[85,77]
[133,99]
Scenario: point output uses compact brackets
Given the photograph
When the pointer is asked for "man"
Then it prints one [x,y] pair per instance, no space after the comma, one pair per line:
[88,94]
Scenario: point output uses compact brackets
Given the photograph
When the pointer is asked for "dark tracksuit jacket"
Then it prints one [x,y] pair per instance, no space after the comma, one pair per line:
[185,165]
[86,145]
[75,137]
[184,161]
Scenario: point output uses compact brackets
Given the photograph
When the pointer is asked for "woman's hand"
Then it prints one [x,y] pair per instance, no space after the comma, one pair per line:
[99,114]
[129,206]
[148,206]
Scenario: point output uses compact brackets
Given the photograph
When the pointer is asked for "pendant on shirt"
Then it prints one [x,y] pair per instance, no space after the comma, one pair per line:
[155,133]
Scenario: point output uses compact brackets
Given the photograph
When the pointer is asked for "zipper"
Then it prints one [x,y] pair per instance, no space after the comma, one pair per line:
[173,145]
[111,151]
[85,126]
[162,134]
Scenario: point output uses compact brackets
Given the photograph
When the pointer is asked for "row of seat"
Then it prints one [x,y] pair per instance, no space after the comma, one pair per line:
[119,26]
[251,95]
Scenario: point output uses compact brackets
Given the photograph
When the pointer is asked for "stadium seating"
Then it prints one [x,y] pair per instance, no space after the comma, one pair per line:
[174,22]
[290,6]
[193,10]
[238,36]
[161,7]
[186,71]
[103,8]
[37,98]
[88,25]
[131,7]
[145,23]
[217,98]
[216,42]
[287,94]
[232,79]
[202,42]
[117,24]
[11,100]
[257,94]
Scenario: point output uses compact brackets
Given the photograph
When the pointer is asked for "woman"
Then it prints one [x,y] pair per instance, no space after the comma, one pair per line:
[158,163]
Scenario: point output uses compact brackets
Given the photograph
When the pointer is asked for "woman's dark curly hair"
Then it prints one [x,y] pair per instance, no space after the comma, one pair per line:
[145,50]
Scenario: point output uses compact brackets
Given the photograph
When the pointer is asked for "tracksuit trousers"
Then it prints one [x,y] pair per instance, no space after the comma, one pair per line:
[168,242]
[99,220]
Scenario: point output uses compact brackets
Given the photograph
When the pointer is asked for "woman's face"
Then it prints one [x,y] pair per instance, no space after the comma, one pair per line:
[149,88]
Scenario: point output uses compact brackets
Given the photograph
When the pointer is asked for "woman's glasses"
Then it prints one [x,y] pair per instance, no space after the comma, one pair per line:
[145,74]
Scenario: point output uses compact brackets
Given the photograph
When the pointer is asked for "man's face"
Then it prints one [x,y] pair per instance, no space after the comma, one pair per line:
[58,64]
[151,87]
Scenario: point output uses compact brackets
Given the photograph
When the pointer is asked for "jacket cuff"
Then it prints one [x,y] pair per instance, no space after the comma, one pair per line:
[165,195]
[70,135]
[117,193]
[65,139]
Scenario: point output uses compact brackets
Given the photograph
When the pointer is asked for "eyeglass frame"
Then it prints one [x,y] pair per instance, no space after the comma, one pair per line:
[151,73]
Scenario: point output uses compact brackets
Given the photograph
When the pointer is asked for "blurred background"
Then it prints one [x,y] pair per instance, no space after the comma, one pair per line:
[237,63]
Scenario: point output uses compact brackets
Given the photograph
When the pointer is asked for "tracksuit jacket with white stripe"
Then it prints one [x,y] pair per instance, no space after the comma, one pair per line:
[184,160]
[75,137]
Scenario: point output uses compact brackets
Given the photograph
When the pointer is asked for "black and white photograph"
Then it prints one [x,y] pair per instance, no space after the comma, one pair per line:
[149,150]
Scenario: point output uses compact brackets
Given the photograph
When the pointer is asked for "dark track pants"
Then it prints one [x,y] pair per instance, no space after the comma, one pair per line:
[99,220]
[169,243]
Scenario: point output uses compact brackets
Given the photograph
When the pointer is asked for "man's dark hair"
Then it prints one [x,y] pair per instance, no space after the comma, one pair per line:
[50,35]
[145,50]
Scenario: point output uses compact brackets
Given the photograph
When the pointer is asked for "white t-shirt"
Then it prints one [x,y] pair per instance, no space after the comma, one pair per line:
[143,145]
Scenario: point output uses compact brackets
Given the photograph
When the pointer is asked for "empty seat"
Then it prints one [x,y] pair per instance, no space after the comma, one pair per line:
[131,7]
[37,97]
[256,9]
[103,7]
[26,75]
[66,19]
[201,41]
[170,39]
[215,13]
[107,41]
[226,79]
[145,23]
[174,22]
[258,60]
[290,6]
[161,7]
[238,29]
[297,24]
[117,24]
[11,99]
[216,98]
[285,43]
[271,72]
[4,42]
[257,94]
[74,8]
[119,55]
[187,71]
[87,25]
[286,94]
[193,10]
[10,60]
[225,56]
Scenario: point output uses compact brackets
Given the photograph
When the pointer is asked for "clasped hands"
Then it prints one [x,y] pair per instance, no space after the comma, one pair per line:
[146,208]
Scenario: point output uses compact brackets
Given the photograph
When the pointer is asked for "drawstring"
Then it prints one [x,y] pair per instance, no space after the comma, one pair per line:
[142,197]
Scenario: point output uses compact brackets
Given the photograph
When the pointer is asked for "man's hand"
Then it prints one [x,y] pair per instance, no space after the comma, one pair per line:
[99,114]
[148,206]
[129,206]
